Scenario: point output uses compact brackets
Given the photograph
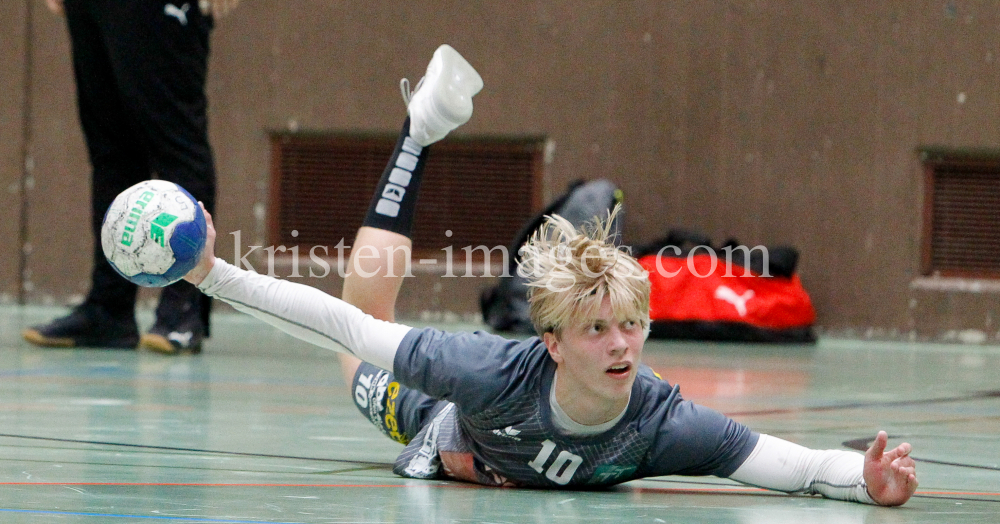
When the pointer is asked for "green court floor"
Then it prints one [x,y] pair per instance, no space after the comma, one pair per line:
[259,428]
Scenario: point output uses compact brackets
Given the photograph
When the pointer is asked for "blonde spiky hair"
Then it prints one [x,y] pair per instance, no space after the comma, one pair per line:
[570,271]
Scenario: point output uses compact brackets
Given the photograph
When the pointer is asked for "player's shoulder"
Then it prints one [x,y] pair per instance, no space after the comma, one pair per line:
[651,381]
[473,369]
[476,344]
[654,395]
[433,335]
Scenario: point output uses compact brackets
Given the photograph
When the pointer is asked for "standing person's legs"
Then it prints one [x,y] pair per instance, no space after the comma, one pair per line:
[161,64]
[106,318]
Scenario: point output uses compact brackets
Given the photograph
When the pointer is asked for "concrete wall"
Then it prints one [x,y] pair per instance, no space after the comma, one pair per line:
[776,122]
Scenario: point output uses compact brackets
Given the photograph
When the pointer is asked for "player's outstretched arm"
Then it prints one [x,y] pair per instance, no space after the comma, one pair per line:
[891,476]
[299,310]
[887,479]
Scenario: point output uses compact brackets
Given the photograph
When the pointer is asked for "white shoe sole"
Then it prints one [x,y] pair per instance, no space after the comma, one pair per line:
[443,100]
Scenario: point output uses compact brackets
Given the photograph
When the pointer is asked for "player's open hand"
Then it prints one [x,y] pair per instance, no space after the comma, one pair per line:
[891,475]
[196,275]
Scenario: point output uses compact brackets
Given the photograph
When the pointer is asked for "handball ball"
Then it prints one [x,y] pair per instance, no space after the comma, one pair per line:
[153,233]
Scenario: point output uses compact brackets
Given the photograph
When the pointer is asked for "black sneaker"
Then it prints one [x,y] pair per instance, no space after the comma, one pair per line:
[88,325]
[179,327]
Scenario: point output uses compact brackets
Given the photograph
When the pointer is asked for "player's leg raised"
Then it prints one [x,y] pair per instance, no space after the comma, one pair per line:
[441,103]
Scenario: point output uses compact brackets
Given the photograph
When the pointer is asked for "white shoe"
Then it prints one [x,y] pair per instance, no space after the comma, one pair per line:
[443,98]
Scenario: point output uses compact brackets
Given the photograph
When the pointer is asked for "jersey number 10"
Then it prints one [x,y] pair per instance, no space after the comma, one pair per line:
[563,467]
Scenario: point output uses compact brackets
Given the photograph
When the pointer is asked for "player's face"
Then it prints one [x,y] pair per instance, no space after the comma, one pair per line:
[598,357]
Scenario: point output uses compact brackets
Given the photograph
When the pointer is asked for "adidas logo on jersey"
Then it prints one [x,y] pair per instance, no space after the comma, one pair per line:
[508,432]
[399,179]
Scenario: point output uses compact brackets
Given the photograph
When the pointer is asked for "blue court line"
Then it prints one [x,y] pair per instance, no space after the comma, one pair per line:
[151,517]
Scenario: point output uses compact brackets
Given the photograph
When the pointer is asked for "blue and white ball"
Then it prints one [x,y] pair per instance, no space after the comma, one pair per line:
[153,233]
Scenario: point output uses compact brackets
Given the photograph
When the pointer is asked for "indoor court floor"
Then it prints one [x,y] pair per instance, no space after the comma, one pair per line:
[259,428]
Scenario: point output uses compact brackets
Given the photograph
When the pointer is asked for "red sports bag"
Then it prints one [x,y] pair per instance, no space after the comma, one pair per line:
[693,298]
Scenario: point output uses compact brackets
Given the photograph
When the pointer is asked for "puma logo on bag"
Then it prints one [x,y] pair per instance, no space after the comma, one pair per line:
[180,13]
[738,301]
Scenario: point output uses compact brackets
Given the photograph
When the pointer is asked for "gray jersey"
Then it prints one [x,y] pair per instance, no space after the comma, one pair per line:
[499,414]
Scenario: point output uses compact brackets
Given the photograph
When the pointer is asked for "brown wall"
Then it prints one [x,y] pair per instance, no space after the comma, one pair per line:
[777,122]
[12,121]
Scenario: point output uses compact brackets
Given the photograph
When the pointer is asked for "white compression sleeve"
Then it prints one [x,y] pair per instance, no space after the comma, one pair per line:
[784,466]
[306,313]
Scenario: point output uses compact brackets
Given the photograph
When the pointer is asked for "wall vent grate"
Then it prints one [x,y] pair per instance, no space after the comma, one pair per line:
[481,189]
[962,222]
